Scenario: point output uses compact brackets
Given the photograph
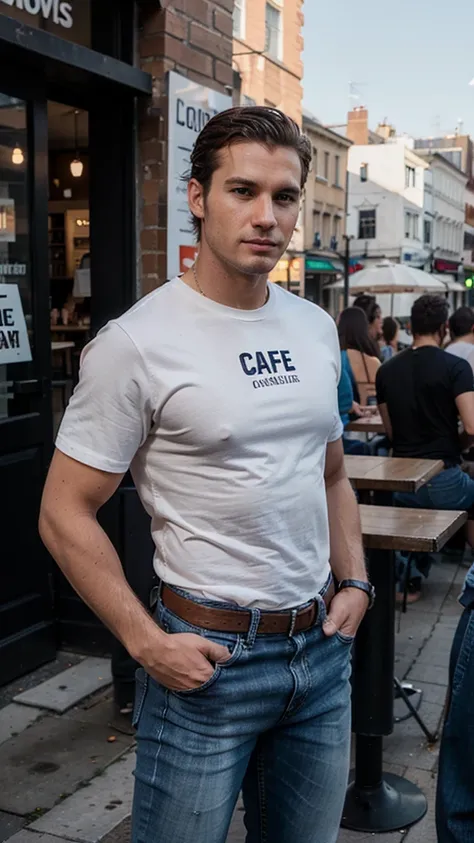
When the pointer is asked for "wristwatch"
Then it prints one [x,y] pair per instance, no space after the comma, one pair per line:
[363,585]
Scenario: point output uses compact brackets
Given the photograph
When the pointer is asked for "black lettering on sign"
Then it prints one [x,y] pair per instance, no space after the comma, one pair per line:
[6,317]
[9,339]
[193,118]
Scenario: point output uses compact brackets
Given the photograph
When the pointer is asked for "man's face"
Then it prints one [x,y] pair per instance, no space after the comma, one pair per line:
[252,205]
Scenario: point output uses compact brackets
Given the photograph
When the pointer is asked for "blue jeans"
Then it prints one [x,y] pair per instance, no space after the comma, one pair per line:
[455,794]
[273,721]
[451,489]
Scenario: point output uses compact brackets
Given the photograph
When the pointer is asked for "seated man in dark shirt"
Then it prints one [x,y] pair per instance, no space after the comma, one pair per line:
[421,394]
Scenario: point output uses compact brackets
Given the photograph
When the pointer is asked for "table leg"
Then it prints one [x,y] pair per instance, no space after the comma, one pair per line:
[376,801]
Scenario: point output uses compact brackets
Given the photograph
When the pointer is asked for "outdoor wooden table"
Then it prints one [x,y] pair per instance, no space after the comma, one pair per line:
[61,346]
[390,474]
[367,424]
[377,802]
[70,328]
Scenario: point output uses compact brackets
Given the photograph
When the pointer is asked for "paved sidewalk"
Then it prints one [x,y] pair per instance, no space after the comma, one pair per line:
[67,776]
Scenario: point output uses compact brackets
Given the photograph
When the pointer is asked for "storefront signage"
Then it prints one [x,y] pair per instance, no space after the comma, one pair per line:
[59,12]
[441,265]
[12,269]
[14,342]
[191,106]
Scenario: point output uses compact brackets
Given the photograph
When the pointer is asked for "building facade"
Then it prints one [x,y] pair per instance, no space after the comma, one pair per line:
[324,208]
[445,211]
[268,70]
[386,203]
[89,112]
[268,44]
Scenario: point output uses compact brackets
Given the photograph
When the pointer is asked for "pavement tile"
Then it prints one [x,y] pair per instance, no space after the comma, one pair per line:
[51,759]
[69,687]
[27,836]
[9,824]
[15,718]
[425,830]
[405,749]
[431,693]
[434,674]
[93,811]
[121,833]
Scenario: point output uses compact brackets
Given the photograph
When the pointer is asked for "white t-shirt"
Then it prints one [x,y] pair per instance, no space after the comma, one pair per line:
[223,416]
[463,349]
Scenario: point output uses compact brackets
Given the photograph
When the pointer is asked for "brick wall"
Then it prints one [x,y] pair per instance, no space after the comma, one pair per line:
[265,80]
[194,38]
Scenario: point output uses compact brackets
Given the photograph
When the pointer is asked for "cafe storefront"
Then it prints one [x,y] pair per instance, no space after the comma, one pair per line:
[69,88]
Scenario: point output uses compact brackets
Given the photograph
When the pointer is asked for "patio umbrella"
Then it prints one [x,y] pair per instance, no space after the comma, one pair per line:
[392,278]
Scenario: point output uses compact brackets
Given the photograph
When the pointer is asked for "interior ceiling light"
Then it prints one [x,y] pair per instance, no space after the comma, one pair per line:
[76,166]
[17,156]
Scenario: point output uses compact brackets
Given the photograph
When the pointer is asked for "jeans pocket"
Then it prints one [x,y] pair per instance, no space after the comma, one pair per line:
[141,686]
[235,653]
[343,638]
[174,625]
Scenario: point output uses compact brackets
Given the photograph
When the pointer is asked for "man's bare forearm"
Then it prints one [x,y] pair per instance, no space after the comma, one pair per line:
[347,555]
[89,561]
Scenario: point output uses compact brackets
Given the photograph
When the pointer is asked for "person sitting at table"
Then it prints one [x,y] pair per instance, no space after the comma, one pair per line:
[390,331]
[355,340]
[374,317]
[421,392]
[347,407]
[461,329]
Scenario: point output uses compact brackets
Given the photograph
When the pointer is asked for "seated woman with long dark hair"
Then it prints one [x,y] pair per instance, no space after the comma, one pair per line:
[361,352]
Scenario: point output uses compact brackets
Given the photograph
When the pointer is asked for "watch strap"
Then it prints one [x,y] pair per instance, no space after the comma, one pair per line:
[362,585]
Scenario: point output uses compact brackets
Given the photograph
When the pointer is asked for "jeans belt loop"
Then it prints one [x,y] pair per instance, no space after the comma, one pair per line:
[253,628]
[294,613]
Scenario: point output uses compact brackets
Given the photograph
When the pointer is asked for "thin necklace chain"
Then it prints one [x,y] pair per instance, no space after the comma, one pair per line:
[201,291]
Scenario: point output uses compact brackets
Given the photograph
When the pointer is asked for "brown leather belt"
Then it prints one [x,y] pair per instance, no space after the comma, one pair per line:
[231,620]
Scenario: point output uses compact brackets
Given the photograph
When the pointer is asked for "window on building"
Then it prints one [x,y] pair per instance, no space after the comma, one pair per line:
[326,166]
[326,230]
[239,19]
[410,176]
[364,172]
[367,224]
[337,170]
[315,161]
[273,32]
[427,232]
[411,225]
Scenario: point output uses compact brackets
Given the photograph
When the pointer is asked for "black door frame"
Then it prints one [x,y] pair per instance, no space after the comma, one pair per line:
[107,87]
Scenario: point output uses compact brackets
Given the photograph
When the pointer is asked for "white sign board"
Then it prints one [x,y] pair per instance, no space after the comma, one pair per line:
[14,342]
[190,107]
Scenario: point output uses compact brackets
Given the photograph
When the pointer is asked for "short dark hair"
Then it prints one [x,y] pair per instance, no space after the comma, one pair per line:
[369,305]
[354,334]
[428,314]
[461,322]
[390,327]
[259,124]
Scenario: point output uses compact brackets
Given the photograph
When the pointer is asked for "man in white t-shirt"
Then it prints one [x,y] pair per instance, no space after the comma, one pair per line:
[219,391]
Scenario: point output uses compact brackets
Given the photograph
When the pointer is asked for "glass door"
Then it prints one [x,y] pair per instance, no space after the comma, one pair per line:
[27,636]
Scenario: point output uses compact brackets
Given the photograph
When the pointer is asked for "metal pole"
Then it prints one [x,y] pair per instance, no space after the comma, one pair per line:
[346,270]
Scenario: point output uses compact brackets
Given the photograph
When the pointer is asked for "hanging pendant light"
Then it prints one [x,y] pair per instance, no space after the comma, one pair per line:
[76,166]
[17,156]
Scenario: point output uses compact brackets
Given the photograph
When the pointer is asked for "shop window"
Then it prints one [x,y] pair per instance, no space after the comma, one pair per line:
[16,320]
